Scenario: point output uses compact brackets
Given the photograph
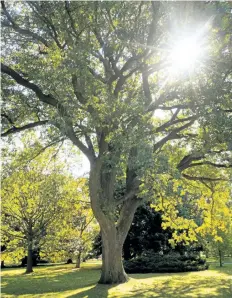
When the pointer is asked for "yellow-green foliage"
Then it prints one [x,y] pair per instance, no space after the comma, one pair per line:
[76,228]
[32,198]
[194,209]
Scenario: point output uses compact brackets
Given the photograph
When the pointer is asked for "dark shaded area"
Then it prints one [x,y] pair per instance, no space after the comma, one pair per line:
[35,258]
[151,262]
[69,261]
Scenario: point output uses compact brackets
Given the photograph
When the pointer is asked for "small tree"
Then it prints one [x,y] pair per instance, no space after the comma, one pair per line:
[78,228]
[221,247]
[83,231]
[31,201]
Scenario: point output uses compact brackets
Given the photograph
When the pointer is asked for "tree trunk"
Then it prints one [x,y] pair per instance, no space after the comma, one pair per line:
[220,257]
[113,233]
[113,236]
[112,266]
[78,262]
[29,258]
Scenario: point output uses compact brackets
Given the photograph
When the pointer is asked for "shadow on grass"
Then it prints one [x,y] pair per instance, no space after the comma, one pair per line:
[186,284]
[97,291]
[83,284]
[54,281]
[193,289]
[166,289]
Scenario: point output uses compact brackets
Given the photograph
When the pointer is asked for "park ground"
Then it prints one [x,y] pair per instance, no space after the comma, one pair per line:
[64,281]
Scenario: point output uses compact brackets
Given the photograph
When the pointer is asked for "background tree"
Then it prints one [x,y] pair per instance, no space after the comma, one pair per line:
[72,237]
[221,248]
[31,201]
[96,72]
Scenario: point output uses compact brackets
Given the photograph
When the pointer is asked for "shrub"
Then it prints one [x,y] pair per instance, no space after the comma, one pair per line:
[151,262]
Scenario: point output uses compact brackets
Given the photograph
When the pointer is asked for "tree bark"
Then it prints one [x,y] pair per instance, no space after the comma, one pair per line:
[78,262]
[29,258]
[112,266]
[113,236]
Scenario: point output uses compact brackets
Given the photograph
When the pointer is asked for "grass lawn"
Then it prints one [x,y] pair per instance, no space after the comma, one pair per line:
[64,281]
[225,260]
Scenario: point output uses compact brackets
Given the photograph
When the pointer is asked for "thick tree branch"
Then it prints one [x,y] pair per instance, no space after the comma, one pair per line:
[166,125]
[216,165]
[55,142]
[122,80]
[90,144]
[25,127]
[78,94]
[151,68]
[146,88]
[173,135]
[48,99]
[126,217]
[187,160]
[154,105]
[202,179]
[155,7]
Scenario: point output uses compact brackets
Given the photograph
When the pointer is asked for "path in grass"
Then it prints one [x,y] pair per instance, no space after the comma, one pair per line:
[64,281]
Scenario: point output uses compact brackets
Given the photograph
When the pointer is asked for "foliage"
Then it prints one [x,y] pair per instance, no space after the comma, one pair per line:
[72,237]
[32,198]
[69,227]
[194,210]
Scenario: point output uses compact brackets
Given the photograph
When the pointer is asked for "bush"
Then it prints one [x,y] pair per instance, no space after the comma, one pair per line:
[151,262]
[69,261]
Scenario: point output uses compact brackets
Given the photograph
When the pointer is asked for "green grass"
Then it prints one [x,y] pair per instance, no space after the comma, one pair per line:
[65,281]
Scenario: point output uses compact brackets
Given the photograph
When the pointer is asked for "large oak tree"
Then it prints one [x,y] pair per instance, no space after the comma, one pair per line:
[97,73]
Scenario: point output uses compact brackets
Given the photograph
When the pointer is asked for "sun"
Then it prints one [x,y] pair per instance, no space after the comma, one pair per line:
[185,55]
